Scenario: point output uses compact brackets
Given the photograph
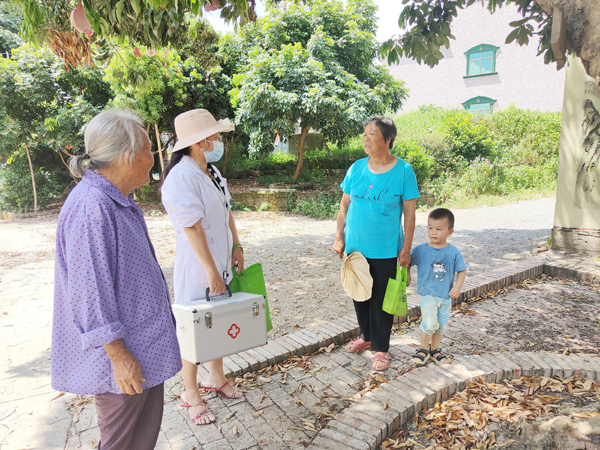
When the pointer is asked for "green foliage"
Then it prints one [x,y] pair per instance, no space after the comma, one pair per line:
[239,207]
[468,135]
[10,22]
[150,23]
[40,103]
[417,157]
[150,85]
[427,25]
[309,64]
[325,206]
[16,191]
[45,108]
[530,137]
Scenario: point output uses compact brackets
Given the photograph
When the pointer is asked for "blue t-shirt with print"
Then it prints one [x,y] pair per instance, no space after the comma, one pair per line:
[373,223]
[436,268]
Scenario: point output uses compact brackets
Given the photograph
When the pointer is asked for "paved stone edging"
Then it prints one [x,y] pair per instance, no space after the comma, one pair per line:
[365,423]
[575,267]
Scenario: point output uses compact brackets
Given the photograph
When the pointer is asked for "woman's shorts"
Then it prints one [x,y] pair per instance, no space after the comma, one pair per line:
[435,313]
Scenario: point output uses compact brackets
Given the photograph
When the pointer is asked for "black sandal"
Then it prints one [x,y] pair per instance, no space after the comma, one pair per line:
[420,357]
[438,356]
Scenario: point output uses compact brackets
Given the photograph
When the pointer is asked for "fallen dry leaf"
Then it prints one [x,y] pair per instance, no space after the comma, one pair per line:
[60,394]
[258,413]
[234,430]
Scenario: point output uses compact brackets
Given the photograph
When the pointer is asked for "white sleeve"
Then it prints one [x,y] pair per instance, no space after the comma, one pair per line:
[182,197]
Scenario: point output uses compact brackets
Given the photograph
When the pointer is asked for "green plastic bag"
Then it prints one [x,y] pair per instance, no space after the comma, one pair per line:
[394,301]
[251,280]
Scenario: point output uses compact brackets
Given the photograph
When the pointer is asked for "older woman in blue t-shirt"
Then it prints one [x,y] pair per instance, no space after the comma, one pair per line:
[377,190]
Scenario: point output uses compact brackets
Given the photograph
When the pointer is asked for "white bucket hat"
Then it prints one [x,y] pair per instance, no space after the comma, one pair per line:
[356,277]
[193,126]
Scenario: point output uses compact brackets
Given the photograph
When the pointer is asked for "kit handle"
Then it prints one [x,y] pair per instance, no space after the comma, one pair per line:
[220,296]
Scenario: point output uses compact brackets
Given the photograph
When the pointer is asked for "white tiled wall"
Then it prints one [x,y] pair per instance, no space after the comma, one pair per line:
[522,79]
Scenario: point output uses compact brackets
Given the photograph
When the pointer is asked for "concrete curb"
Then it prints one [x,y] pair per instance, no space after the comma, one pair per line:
[366,421]
[557,264]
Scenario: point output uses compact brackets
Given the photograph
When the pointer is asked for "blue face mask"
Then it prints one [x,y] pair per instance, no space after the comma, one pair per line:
[216,153]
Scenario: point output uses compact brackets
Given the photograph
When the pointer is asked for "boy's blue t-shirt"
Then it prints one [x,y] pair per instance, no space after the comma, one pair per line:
[373,223]
[436,268]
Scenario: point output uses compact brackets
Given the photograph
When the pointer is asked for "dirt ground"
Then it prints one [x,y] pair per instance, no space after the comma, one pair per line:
[302,273]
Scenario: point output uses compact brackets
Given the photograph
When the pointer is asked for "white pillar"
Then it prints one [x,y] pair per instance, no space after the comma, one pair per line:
[577,213]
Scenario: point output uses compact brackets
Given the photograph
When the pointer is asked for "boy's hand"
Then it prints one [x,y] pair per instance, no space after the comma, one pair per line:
[454,292]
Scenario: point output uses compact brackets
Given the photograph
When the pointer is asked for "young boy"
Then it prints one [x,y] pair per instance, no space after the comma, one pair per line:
[436,261]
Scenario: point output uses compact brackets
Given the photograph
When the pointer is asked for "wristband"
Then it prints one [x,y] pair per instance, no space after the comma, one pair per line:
[236,246]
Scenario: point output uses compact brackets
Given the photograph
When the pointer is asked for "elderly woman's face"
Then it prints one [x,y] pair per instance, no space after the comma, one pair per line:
[373,141]
[142,164]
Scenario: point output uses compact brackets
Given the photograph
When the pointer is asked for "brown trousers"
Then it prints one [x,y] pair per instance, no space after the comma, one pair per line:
[130,422]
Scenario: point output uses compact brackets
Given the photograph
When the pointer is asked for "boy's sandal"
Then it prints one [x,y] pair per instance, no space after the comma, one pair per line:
[438,356]
[420,357]
[203,414]
[357,346]
[381,358]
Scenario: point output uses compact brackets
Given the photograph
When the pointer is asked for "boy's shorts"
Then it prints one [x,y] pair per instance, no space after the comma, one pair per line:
[435,313]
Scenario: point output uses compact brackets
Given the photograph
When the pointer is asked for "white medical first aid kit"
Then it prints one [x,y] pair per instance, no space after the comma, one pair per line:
[215,327]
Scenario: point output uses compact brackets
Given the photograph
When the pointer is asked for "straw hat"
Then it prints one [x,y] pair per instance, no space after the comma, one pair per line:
[356,278]
[193,126]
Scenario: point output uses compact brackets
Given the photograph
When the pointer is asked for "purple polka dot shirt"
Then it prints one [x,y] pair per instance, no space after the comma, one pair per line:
[108,286]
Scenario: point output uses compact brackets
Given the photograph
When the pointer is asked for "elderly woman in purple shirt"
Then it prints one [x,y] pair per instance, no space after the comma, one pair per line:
[113,331]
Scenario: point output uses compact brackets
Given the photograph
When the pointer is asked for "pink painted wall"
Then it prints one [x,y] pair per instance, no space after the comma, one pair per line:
[522,79]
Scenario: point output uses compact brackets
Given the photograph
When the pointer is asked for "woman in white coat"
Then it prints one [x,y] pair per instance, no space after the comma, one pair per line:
[197,201]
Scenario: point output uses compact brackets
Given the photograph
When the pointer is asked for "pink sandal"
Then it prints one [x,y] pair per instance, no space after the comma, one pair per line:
[381,358]
[206,412]
[357,346]
[220,392]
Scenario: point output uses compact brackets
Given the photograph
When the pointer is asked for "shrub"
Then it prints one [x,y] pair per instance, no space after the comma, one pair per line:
[481,177]
[325,206]
[16,192]
[420,161]
[529,137]
[468,135]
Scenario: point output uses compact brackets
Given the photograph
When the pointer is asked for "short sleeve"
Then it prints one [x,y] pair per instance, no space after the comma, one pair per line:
[410,189]
[414,256]
[91,260]
[347,182]
[459,262]
[181,197]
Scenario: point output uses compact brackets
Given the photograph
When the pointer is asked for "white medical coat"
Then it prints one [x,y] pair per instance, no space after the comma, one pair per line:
[189,195]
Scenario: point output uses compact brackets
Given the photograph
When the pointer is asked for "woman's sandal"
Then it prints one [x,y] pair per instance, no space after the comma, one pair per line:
[385,359]
[438,356]
[420,357]
[220,392]
[357,346]
[203,414]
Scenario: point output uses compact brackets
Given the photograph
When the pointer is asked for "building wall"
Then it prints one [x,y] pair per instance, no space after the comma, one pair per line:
[522,79]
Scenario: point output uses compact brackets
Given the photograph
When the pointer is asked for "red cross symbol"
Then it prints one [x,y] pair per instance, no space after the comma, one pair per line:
[234,330]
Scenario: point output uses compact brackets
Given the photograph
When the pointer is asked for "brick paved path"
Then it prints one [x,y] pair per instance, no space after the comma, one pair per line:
[286,409]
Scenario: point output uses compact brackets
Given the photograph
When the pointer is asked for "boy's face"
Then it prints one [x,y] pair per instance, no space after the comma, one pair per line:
[438,230]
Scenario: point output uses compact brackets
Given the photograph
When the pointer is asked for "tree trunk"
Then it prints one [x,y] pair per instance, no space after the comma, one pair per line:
[228,145]
[160,155]
[32,178]
[303,134]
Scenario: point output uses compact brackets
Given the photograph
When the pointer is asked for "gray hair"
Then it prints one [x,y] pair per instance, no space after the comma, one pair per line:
[109,136]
